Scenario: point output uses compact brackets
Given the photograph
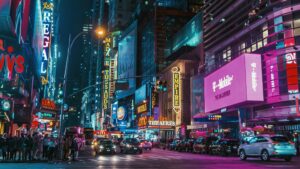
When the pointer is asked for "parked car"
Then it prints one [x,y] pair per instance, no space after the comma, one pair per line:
[202,144]
[224,147]
[146,145]
[267,146]
[105,146]
[199,145]
[173,144]
[131,145]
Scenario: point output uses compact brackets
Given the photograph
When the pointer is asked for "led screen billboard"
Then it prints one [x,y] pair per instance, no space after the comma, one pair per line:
[127,57]
[237,82]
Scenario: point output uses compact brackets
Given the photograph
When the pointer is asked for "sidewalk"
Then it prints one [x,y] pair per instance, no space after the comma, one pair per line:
[87,151]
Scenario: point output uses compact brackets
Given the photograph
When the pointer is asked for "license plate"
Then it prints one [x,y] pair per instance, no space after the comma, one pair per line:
[135,148]
[108,150]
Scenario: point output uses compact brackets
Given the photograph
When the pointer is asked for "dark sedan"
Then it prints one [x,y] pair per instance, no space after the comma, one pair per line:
[131,145]
[105,147]
[224,147]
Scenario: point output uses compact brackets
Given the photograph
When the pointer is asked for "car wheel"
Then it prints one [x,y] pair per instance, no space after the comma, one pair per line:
[265,155]
[287,159]
[243,155]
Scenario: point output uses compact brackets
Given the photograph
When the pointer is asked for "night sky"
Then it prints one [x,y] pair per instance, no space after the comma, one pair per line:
[71,21]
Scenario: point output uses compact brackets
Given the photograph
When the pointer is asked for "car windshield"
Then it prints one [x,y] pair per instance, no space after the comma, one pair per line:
[132,140]
[106,142]
[280,139]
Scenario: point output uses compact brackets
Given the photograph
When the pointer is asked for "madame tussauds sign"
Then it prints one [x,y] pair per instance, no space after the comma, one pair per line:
[9,60]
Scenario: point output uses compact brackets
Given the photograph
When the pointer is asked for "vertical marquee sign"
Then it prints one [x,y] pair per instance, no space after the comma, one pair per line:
[176,89]
[47,18]
[106,77]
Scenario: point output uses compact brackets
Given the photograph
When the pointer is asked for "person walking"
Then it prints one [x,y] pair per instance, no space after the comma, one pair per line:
[51,148]
[21,145]
[74,148]
[29,147]
[45,146]
[4,146]
[67,144]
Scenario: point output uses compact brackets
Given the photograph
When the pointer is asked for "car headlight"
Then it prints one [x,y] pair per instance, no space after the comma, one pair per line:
[101,147]
[128,145]
[114,146]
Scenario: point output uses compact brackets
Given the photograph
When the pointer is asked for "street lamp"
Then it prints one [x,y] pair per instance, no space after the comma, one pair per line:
[101,33]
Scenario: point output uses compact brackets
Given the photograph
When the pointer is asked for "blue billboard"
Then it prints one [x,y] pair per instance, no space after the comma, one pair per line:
[127,59]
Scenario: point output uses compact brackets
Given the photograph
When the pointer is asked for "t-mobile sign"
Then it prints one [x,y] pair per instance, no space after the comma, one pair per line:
[237,82]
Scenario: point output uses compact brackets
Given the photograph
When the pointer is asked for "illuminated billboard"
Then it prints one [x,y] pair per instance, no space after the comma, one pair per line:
[126,67]
[237,82]
[176,89]
[47,18]
[106,74]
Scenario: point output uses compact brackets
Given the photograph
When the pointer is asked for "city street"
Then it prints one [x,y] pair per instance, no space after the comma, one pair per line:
[158,158]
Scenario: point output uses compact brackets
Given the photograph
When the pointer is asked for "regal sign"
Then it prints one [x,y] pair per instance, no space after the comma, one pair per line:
[47,18]
[12,61]
[228,86]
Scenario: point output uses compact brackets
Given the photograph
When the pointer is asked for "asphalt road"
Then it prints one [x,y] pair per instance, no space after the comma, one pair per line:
[157,159]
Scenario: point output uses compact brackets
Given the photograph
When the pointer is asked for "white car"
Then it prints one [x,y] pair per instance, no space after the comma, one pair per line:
[267,146]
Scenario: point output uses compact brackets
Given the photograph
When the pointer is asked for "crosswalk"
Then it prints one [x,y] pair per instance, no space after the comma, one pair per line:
[154,155]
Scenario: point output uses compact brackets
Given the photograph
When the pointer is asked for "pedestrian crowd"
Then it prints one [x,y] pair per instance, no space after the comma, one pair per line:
[37,147]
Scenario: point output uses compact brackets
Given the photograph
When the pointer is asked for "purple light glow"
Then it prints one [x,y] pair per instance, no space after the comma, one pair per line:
[237,82]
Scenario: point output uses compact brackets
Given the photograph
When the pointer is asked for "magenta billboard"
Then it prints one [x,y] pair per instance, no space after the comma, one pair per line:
[238,82]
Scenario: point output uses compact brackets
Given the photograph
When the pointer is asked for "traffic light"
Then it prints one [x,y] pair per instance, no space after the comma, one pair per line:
[60,94]
[162,86]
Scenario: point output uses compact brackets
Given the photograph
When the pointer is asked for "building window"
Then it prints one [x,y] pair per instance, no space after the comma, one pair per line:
[242,47]
[265,34]
[227,54]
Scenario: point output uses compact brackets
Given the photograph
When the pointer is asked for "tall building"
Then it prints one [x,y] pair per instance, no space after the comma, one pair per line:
[250,29]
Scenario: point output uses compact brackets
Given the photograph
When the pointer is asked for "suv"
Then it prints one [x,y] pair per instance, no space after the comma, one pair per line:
[267,146]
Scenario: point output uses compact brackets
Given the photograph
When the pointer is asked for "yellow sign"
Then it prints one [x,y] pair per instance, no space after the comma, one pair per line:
[142,122]
[142,108]
[176,89]
[106,75]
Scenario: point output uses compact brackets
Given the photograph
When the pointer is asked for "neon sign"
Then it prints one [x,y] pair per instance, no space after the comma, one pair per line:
[47,18]
[292,72]
[176,89]
[48,104]
[106,91]
[10,59]
[142,108]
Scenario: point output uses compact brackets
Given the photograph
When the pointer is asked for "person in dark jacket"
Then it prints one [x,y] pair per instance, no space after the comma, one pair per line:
[29,147]
[74,148]
[21,146]
[3,144]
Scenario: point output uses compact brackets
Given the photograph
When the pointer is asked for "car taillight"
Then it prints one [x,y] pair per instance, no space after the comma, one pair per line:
[275,143]
[291,142]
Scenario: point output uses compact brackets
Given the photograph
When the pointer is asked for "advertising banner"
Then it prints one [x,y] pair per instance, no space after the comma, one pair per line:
[237,82]
[197,95]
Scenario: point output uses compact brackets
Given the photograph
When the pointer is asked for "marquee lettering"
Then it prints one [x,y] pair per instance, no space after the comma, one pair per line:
[10,60]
